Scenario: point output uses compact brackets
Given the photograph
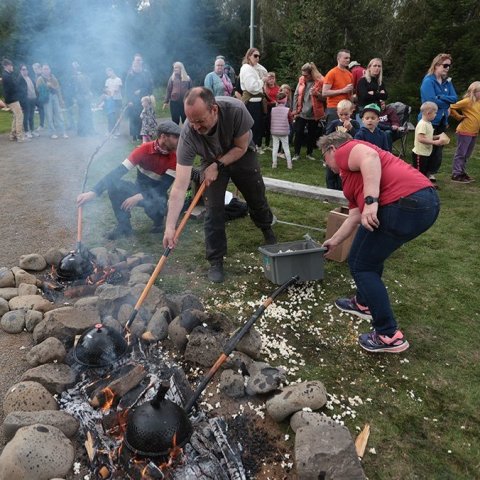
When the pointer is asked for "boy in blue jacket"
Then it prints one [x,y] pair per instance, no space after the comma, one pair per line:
[370,131]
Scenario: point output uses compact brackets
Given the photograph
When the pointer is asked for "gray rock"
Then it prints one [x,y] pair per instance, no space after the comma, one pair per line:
[13,321]
[204,346]
[117,255]
[328,449]
[156,298]
[265,380]
[32,319]
[28,397]
[138,327]
[239,361]
[186,301]
[21,276]
[232,383]
[114,323]
[37,452]
[311,419]
[133,262]
[181,326]
[251,344]
[32,261]
[4,308]
[50,350]
[157,328]
[101,256]
[111,297]
[138,278]
[8,293]
[7,279]
[65,323]
[31,302]
[87,303]
[56,418]
[219,322]
[143,257]
[55,377]
[27,289]
[143,268]
[54,255]
[124,313]
[295,397]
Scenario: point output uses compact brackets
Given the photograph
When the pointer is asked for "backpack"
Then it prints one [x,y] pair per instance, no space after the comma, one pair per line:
[235,209]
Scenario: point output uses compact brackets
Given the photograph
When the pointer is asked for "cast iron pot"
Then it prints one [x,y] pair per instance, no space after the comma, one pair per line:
[100,347]
[76,265]
[152,426]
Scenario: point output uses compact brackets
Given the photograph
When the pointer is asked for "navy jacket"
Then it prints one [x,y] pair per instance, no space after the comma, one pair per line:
[377,137]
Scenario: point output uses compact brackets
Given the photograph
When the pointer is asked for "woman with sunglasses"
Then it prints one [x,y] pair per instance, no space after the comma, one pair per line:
[252,75]
[437,87]
[28,98]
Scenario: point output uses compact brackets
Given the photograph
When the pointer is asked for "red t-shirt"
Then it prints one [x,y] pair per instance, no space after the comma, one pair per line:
[338,79]
[398,179]
[271,93]
[150,161]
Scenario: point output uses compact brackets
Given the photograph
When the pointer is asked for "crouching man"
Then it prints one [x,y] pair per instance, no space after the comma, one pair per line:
[156,163]
[218,129]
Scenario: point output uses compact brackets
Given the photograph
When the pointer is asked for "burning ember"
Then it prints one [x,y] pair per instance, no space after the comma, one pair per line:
[111,404]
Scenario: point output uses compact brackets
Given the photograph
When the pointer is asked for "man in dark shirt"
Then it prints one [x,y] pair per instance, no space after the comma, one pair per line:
[12,100]
[156,164]
[219,131]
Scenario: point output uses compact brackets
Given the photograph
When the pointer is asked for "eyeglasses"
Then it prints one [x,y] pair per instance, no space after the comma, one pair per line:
[446,65]
[256,55]
[324,152]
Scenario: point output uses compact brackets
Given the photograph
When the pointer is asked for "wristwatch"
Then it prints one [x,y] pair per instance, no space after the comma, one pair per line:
[219,164]
[369,199]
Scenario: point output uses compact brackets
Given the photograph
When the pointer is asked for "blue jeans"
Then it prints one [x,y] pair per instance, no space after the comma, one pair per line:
[400,222]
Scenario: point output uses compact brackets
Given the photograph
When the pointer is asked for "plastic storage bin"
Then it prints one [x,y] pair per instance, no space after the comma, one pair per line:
[282,261]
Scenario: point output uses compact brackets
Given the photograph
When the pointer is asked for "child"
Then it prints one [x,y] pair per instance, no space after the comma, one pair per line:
[424,139]
[344,123]
[109,107]
[281,119]
[467,111]
[149,122]
[370,131]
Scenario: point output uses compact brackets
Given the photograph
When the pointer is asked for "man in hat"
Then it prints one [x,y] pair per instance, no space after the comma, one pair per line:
[219,131]
[156,164]
[357,72]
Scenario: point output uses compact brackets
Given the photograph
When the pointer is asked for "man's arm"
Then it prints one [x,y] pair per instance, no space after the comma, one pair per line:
[240,146]
[328,92]
[175,203]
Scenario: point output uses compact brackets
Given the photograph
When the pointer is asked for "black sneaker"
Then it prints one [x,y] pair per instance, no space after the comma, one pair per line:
[215,273]
[269,236]
[374,342]
[118,232]
[461,179]
[350,305]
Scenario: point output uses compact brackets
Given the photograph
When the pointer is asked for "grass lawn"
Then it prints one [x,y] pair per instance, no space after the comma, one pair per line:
[422,405]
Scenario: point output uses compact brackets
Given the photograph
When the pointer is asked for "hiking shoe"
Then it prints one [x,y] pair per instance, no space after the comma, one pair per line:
[350,305]
[374,342]
[269,236]
[118,232]
[215,273]
[461,179]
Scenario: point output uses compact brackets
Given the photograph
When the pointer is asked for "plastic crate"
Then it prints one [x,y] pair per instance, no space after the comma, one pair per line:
[282,261]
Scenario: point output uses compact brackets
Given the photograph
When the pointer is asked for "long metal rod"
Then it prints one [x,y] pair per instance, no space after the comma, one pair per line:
[163,258]
[232,343]
[252,22]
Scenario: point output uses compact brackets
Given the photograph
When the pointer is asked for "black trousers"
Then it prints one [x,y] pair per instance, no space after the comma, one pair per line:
[154,198]
[135,122]
[312,130]
[245,174]
[437,151]
[256,111]
[177,111]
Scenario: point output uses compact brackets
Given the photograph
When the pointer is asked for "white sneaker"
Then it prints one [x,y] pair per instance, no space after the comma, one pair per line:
[35,134]
[28,135]
[260,151]
[295,158]
[54,136]
[309,157]
[274,165]
[65,135]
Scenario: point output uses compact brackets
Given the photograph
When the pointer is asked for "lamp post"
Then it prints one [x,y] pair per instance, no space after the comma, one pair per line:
[252,20]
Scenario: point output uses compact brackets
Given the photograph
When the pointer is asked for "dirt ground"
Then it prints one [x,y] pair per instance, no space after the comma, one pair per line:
[39,182]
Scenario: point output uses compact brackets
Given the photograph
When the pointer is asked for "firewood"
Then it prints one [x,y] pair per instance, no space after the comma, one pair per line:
[361,441]
[120,386]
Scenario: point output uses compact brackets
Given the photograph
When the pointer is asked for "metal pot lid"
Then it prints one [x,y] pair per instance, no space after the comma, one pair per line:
[75,265]
[157,426]
[100,347]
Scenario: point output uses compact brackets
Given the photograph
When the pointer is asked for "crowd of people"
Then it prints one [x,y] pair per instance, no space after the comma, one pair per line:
[230,119]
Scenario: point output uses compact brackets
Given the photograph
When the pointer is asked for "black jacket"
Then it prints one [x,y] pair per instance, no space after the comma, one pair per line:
[10,88]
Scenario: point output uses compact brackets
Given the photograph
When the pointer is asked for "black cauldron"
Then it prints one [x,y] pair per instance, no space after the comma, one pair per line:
[77,264]
[151,428]
[100,347]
